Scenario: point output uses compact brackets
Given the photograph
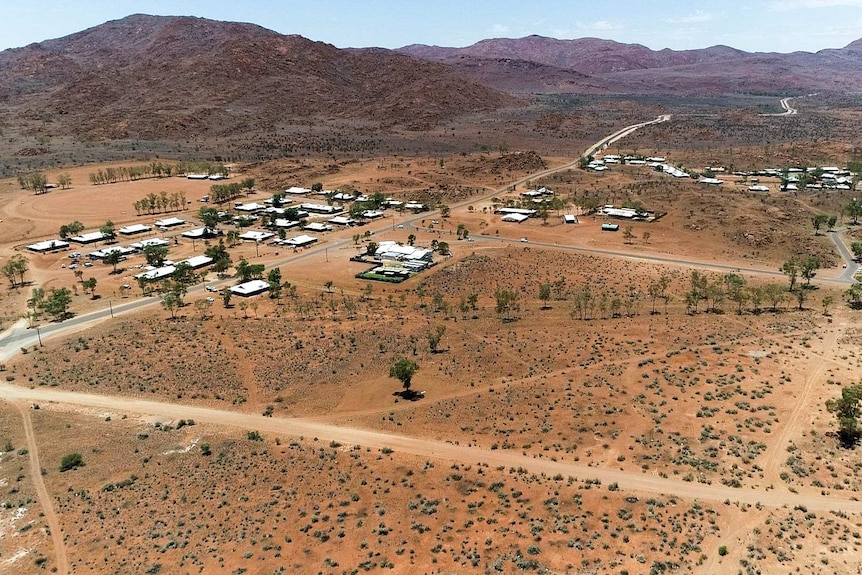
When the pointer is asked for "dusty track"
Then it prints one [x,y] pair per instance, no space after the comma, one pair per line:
[436,449]
[42,494]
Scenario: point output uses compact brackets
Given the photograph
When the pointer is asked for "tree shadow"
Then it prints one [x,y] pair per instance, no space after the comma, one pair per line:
[409,395]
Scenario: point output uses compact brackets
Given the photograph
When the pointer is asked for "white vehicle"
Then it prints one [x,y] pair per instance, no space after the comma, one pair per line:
[74,255]
[88,264]
[400,226]
[524,240]
[72,266]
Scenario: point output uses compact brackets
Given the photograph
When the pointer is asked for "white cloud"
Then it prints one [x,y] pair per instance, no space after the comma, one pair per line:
[600,26]
[788,5]
[695,17]
[499,30]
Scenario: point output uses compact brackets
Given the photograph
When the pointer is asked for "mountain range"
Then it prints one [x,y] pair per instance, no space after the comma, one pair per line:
[159,77]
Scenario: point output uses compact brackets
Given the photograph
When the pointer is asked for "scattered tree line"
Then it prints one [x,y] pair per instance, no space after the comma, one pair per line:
[221,193]
[159,203]
[15,268]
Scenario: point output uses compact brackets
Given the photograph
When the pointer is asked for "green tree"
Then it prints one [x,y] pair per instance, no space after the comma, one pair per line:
[403,370]
[827,301]
[506,304]
[113,258]
[226,295]
[818,222]
[108,230]
[71,461]
[209,217]
[15,268]
[791,270]
[736,290]
[64,181]
[853,209]
[317,187]
[155,255]
[856,248]
[434,337]
[171,301]
[628,235]
[72,229]
[57,303]
[371,248]
[411,239]
[273,278]
[831,221]
[847,411]
[808,268]
[443,248]
[89,285]
[545,295]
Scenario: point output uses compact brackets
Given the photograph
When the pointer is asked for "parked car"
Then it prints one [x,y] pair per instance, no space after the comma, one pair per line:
[75,255]
[212,288]
[524,240]
[88,264]
[72,266]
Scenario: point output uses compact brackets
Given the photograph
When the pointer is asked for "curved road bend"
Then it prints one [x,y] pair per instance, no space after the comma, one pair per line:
[423,447]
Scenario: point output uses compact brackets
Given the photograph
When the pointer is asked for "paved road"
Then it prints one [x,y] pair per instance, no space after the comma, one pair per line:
[788,109]
[852,267]
[636,481]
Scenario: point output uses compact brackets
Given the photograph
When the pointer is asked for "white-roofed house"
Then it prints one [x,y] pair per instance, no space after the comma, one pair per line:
[317,227]
[169,222]
[48,246]
[196,262]
[89,238]
[150,242]
[298,241]
[250,288]
[255,236]
[134,229]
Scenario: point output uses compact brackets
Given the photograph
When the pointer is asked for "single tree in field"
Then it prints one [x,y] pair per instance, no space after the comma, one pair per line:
[847,411]
[831,221]
[856,248]
[628,235]
[545,295]
[434,337]
[403,370]
[171,302]
[827,301]
[226,294]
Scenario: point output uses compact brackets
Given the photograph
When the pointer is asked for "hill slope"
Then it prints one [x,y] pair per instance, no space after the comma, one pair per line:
[157,77]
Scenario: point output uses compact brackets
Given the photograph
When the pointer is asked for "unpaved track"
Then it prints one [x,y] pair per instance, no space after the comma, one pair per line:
[45,501]
[777,448]
[435,449]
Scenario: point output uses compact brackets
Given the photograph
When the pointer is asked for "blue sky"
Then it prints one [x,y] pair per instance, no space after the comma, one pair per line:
[753,25]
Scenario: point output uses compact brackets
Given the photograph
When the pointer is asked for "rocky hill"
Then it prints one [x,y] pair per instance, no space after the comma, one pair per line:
[613,67]
[154,77]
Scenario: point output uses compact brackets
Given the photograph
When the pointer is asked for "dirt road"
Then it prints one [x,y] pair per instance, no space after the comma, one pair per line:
[45,501]
[438,449]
